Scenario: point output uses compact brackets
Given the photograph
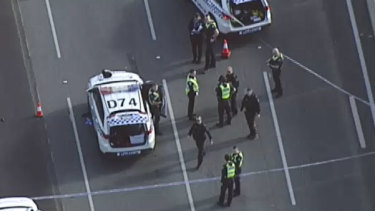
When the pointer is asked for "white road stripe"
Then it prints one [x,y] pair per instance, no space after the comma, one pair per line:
[53,29]
[357,122]
[178,144]
[79,149]
[361,59]
[150,23]
[279,140]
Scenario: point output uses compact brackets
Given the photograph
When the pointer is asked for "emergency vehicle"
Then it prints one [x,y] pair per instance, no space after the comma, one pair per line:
[17,203]
[237,16]
[120,114]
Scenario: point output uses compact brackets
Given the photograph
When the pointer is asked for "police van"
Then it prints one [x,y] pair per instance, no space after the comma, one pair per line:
[121,115]
[237,16]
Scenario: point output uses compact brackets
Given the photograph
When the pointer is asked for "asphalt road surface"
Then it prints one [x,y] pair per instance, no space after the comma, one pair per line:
[308,155]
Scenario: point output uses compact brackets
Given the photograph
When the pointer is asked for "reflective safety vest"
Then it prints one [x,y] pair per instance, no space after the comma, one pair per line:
[225,91]
[192,81]
[231,169]
[275,63]
[235,156]
[153,98]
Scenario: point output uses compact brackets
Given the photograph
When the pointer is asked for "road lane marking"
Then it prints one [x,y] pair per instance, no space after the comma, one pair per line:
[279,140]
[319,76]
[362,60]
[178,144]
[53,29]
[357,122]
[202,180]
[79,149]
[149,18]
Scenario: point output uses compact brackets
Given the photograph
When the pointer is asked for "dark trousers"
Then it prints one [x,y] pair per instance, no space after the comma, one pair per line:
[250,118]
[233,103]
[237,185]
[223,105]
[227,184]
[155,112]
[191,97]
[200,146]
[210,55]
[196,45]
[276,78]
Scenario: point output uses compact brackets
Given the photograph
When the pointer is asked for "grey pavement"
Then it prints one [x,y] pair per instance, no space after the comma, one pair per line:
[315,120]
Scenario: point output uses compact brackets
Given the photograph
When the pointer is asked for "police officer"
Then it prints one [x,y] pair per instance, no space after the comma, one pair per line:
[198,130]
[232,79]
[237,158]
[192,89]
[211,34]
[223,93]
[196,29]
[250,103]
[275,63]
[155,100]
[227,175]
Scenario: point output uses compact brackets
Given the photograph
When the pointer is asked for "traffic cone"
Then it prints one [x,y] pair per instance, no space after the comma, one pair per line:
[226,52]
[39,112]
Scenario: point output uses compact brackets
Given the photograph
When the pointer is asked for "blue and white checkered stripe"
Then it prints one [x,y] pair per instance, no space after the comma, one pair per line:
[127,120]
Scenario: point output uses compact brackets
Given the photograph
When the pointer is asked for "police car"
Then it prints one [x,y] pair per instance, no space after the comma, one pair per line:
[17,204]
[120,114]
[237,16]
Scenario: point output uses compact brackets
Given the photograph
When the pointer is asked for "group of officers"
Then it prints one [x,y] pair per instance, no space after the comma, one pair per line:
[226,93]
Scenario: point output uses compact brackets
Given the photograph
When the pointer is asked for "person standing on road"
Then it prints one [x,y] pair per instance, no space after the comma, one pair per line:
[250,103]
[192,89]
[275,63]
[227,175]
[198,130]
[155,100]
[223,93]
[196,29]
[211,34]
[232,79]
[237,158]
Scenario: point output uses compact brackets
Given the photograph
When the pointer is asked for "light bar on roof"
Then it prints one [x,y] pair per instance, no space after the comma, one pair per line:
[241,1]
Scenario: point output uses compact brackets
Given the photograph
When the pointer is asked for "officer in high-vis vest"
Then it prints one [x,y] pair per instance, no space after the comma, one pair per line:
[192,89]
[237,158]
[227,175]
[155,100]
[223,94]
[275,63]
[211,34]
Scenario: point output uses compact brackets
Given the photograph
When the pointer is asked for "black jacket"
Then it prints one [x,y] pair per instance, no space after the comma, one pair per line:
[199,132]
[251,104]
[232,78]
[196,28]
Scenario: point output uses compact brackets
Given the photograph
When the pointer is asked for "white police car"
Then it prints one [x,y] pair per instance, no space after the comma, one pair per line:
[237,16]
[17,204]
[121,116]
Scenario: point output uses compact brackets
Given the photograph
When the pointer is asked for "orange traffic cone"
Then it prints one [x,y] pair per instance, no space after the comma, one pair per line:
[226,52]
[39,112]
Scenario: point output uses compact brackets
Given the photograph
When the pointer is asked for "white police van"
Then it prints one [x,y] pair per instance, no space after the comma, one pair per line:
[121,116]
[17,203]
[237,16]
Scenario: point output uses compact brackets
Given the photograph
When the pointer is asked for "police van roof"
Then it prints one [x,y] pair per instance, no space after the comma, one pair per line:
[122,96]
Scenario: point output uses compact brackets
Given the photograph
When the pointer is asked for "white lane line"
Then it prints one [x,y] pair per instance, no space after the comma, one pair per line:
[53,29]
[178,144]
[279,140]
[361,59]
[150,23]
[357,122]
[202,180]
[79,149]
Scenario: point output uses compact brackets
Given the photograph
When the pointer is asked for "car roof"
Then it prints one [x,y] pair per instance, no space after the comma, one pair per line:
[17,203]
[121,96]
[116,76]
